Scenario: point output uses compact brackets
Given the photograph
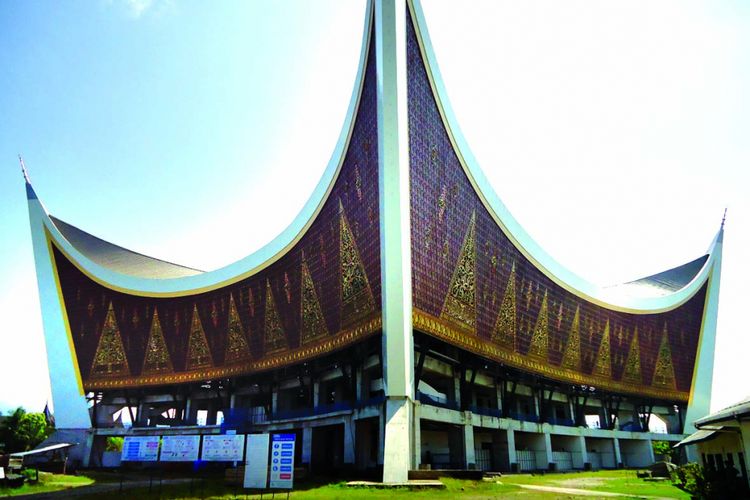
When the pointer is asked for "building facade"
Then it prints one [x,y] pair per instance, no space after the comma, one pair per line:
[404,318]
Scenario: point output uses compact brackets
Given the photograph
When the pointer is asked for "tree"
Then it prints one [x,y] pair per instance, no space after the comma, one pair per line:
[32,430]
[663,448]
[21,431]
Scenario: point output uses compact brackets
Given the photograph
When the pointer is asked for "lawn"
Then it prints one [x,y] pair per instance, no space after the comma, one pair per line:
[47,482]
[507,486]
[615,481]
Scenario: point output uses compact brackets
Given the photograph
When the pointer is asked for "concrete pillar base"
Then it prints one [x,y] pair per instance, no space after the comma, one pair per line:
[398,440]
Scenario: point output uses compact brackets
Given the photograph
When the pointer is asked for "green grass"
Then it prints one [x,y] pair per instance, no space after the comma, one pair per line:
[47,482]
[507,486]
[615,481]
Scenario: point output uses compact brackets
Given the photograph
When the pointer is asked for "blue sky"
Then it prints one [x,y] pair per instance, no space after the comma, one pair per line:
[194,132]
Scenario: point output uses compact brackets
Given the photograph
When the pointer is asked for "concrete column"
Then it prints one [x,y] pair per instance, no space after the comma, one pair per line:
[349,441]
[650,452]
[511,447]
[274,399]
[358,383]
[417,437]
[395,235]
[232,400]
[398,428]
[381,437]
[499,396]
[457,387]
[581,443]
[548,447]
[187,417]
[616,448]
[306,444]
[316,393]
[470,460]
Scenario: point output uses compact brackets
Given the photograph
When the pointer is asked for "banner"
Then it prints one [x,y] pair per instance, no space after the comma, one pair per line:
[180,448]
[282,461]
[140,449]
[223,448]
[256,465]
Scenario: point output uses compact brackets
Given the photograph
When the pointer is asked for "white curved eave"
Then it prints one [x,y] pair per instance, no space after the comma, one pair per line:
[252,263]
[612,298]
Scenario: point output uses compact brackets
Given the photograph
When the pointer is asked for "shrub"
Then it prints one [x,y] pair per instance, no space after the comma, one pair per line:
[114,443]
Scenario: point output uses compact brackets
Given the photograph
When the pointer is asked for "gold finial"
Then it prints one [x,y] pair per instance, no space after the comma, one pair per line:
[23,170]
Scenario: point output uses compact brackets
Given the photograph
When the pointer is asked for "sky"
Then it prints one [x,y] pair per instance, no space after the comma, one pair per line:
[615,132]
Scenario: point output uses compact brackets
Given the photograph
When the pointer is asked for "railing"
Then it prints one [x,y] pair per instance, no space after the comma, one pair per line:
[526,460]
[568,422]
[483,459]
[525,417]
[563,460]
[373,401]
[482,410]
[436,401]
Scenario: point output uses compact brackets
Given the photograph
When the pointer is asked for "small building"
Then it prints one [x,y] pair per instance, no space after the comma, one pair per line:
[723,437]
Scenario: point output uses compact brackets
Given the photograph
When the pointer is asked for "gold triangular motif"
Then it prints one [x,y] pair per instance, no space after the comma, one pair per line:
[664,370]
[504,332]
[274,336]
[603,368]
[199,354]
[632,373]
[572,355]
[237,346]
[110,359]
[356,294]
[460,304]
[156,359]
[312,320]
[540,336]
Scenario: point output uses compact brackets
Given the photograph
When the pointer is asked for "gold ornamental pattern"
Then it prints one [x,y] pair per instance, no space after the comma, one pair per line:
[110,359]
[460,304]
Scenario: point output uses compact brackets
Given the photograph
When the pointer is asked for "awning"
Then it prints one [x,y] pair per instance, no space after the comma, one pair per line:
[52,447]
[697,437]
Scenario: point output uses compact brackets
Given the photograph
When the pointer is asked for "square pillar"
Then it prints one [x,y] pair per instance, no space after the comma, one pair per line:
[470,461]
[398,429]
[581,444]
[616,448]
[417,438]
[548,447]
[306,444]
[511,436]
[349,441]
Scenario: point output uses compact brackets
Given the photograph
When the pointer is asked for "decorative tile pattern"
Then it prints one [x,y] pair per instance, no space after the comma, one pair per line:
[540,337]
[632,372]
[505,327]
[199,355]
[313,322]
[603,366]
[356,295]
[237,347]
[110,360]
[157,358]
[460,303]
[275,338]
[572,357]
[664,371]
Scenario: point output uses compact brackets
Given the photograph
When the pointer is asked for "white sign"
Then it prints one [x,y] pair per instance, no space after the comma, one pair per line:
[256,465]
[282,461]
[223,448]
[180,448]
[140,449]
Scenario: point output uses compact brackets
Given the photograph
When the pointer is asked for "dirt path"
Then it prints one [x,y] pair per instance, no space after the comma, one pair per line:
[579,492]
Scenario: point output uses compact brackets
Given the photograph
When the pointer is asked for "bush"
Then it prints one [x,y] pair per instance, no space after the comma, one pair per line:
[114,443]
[709,484]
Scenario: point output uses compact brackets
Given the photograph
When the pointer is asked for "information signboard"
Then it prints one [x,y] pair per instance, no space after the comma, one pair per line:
[180,448]
[282,461]
[256,464]
[223,448]
[140,449]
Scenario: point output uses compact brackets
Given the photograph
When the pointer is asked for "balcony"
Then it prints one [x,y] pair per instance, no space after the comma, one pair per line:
[437,401]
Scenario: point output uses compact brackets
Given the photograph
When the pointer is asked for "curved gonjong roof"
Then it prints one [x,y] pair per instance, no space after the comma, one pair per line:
[661,292]
[127,271]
